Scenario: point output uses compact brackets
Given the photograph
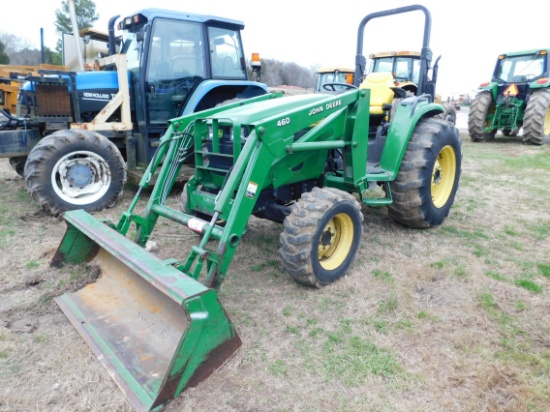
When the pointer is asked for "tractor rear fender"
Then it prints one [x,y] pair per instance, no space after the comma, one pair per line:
[243,89]
[409,112]
[542,83]
[492,87]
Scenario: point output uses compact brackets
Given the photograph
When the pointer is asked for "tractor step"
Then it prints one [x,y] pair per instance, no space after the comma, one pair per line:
[377,201]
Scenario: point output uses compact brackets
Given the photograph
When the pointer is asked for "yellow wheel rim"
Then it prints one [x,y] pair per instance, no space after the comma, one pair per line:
[546,125]
[336,241]
[443,176]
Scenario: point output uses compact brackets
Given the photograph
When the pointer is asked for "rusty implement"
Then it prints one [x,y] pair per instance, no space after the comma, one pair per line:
[156,330]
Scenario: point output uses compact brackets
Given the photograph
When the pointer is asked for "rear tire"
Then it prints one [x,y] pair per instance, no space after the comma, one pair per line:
[321,236]
[75,169]
[425,187]
[482,105]
[18,164]
[536,123]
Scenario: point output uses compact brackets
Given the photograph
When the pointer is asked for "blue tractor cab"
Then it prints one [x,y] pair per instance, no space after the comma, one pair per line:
[161,64]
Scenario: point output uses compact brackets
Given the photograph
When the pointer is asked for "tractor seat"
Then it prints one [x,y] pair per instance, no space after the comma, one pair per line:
[381,93]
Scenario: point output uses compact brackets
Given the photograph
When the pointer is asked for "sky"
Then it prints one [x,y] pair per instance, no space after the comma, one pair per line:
[467,34]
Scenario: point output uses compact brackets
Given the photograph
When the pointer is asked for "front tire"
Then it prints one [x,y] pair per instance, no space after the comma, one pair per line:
[536,123]
[482,106]
[321,236]
[449,114]
[18,164]
[75,169]
[426,184]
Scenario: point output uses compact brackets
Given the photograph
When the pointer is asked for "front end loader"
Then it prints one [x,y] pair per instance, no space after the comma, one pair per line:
[306,161]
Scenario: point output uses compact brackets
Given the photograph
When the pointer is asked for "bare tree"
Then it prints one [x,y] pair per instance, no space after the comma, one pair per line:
[296,75]
[10,41]
[277,73]
[271,72]
[26,57]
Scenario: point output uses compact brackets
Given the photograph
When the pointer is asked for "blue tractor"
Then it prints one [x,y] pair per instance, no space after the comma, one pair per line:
[77,137]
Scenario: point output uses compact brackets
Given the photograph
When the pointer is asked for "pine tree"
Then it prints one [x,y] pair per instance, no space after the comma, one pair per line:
[4,58]
[85,18]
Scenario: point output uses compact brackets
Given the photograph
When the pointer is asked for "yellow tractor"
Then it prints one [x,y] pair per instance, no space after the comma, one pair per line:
[405,69]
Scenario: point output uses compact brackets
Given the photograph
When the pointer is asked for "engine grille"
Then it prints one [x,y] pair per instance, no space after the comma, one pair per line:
[53,100]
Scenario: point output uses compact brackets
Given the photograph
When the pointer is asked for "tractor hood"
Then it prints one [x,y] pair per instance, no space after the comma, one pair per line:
[277,108]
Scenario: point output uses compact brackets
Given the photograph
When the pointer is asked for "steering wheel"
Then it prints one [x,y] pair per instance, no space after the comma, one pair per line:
[332,87]
[401,79]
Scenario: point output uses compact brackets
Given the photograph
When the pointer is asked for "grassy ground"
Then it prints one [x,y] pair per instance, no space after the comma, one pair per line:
[453,318]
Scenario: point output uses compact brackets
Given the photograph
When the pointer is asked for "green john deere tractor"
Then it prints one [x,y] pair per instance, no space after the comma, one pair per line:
[307,161]
[518,96]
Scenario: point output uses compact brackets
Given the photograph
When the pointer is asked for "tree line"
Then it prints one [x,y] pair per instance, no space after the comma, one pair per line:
[18,52]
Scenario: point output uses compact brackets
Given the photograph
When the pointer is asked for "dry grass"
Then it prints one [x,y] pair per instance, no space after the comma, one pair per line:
[455,318]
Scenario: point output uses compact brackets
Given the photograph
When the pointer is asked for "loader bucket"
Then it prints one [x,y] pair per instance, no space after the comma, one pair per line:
[156,330]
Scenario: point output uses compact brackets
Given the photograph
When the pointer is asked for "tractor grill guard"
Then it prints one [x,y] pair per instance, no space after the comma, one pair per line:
[51,97]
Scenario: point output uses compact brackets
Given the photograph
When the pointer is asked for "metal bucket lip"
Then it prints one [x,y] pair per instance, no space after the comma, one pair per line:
[166,278]
[133,327]
[150,396]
